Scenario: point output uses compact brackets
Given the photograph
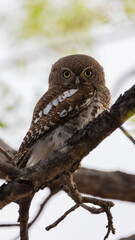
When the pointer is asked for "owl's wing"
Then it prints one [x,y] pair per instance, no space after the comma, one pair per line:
[54,108]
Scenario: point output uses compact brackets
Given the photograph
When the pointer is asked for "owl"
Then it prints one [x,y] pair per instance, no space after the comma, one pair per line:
[76,95]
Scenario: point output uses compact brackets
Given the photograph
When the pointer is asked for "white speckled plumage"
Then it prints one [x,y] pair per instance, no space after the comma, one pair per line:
[62,133]
[71,101]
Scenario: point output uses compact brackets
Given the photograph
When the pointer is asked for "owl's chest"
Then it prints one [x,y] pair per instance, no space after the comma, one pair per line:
[62,133]
[45,145]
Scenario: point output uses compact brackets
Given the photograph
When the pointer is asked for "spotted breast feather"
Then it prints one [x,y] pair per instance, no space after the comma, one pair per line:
[55,107]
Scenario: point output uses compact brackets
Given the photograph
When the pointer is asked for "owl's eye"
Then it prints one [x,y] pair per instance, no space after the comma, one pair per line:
[88,73]
[66,74]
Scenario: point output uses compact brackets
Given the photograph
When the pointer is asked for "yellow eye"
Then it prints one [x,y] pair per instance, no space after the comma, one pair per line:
[66,74]
[88,73]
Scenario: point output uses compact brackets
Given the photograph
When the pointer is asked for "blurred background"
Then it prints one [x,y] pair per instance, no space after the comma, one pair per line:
[33,35]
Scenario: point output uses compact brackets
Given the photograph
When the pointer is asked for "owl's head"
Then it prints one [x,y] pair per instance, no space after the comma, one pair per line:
[75,70]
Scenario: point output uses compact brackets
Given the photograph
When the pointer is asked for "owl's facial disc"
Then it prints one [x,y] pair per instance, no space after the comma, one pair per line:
[78,77]
[85,76]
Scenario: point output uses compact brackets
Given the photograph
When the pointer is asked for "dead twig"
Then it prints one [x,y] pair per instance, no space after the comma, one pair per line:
[62,217]
[9,225]
[127,134]
[43,204]
[7,154]
[29,180]
[105,206]
[70,188]
[92,210]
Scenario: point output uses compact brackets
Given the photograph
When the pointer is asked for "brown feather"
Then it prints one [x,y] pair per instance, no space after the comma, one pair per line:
[66,107]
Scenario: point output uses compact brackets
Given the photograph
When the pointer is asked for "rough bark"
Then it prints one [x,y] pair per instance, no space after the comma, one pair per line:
[129,238]
[3,159]
[23,183]
[113,185]
[30,180]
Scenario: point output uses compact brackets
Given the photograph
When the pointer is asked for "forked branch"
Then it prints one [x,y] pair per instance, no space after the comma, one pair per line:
[70,188]
[24,182]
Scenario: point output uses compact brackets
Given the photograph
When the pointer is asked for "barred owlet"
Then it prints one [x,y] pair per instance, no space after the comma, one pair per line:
[77,94]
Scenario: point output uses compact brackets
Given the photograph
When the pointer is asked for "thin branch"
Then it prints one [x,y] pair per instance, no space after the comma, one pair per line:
[62,217]
[92,210]
[43,204]
[7,154]
[110,225]
[30,180]
[72,191]
[7,148]
[127,134]
[3,225]
[70,188]
[106,205]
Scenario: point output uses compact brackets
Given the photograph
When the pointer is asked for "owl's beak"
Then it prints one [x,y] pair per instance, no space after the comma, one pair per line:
[77,80]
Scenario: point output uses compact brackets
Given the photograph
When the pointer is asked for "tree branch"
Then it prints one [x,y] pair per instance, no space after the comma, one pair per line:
[24,205]
[42,205]
[113,185]
[60,219]
[6,153]
[70,188]
[129,238]
[4,161]
[127,134]
[30,180]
